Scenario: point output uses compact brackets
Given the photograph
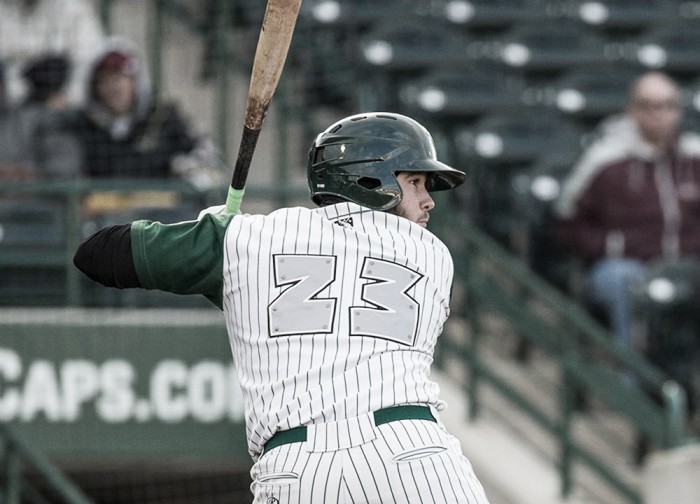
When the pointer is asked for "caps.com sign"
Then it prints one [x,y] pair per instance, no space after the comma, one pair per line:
[132,385]
[206,391]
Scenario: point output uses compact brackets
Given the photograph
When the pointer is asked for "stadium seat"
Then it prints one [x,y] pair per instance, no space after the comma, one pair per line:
[412,46]
[463,93]
[494,13]
[592,93]
[32,252]
[624,14]
[30,222]
[691,101]
[534,191]
[672,47]
[499,148]
[357,14]
[331,31]
[551,47]
[393,53]
[518,136]
[691,121]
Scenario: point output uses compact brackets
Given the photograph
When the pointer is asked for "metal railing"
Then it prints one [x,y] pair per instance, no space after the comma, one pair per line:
[16,454]
[72,194]
[493,279]
[17,489]
[584,352]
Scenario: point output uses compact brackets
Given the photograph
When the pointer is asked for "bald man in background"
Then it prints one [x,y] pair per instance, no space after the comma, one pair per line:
[633,199]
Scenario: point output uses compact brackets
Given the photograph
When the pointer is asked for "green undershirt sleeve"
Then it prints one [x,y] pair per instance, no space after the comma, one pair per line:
[182,258]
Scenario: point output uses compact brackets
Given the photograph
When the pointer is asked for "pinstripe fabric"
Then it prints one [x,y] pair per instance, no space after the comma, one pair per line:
[407,461]
[333,313]
[300,379]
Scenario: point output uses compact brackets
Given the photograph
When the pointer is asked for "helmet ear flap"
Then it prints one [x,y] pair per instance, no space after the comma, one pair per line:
[369,183]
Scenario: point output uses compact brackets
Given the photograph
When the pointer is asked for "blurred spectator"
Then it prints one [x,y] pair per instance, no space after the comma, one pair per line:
[633,199]
[46,78]
[124,133]
[14,164]
[35,141]
[45,117]
[29,28]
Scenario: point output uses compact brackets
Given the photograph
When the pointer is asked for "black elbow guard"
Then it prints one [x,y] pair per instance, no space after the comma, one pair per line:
[105,257]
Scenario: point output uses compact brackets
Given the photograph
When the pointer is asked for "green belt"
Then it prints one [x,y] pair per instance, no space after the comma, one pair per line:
[382,416]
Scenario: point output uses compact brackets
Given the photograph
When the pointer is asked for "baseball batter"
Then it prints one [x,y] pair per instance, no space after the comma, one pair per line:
[332,314]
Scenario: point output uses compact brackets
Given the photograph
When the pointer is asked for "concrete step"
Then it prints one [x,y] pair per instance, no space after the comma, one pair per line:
[517,456]
[512,469]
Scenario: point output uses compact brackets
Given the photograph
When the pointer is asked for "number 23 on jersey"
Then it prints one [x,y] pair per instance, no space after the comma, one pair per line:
[389,311]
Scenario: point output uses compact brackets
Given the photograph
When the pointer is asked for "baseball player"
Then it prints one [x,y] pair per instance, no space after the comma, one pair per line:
[332,314]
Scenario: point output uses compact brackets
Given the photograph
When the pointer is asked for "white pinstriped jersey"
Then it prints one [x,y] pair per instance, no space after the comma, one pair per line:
[332,312]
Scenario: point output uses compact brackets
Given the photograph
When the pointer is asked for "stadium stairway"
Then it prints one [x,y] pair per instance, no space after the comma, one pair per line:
[514,459]
[510,472]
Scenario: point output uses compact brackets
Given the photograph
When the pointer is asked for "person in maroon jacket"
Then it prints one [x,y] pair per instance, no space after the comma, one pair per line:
[633,199]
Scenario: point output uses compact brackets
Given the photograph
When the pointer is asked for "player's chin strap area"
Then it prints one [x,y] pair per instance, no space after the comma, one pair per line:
[382,416]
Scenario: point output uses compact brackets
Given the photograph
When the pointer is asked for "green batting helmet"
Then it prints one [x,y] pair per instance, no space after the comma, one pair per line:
[357,159]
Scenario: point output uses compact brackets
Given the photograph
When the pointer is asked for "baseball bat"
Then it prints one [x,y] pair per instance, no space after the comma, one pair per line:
[270,55]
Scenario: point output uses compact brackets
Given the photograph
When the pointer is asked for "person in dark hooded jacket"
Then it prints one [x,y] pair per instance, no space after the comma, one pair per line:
[36,141]
[123,131]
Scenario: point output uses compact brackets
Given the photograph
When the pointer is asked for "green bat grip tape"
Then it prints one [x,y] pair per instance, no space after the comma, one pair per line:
[233,200]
